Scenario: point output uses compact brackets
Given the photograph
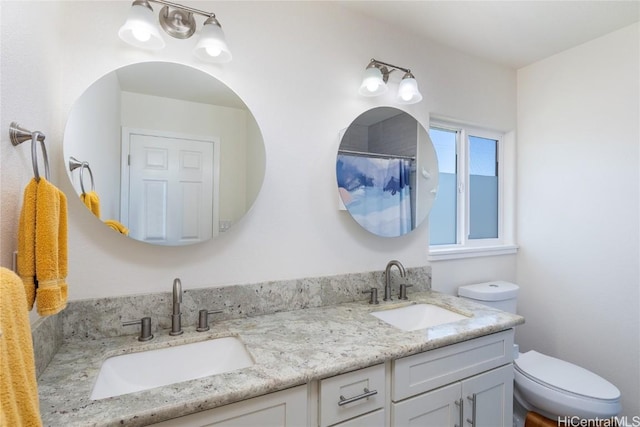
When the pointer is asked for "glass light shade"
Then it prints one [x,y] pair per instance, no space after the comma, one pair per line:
[212,46]
[372,83]
[408,92]
[140,29]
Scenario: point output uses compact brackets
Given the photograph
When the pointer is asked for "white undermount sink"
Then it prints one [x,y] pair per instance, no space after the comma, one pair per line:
[418,316]
[133,372]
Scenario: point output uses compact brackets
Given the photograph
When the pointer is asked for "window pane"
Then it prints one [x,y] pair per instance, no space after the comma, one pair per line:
[483,188]
[442,218]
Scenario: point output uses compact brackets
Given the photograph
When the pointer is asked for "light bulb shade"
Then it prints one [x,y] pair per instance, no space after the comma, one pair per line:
[408,92]
[140,29]
[372,83]
[212,46]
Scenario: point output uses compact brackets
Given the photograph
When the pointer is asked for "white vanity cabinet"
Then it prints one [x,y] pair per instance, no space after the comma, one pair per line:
[466,384]
[284,408]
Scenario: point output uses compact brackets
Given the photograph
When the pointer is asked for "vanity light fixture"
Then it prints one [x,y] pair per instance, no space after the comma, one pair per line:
[375,80]
[178,21]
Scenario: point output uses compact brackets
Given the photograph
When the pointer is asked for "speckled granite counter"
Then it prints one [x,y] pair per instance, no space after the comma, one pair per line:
[289,348]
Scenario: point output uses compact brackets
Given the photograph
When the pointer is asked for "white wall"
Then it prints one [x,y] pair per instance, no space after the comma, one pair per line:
[297,65]
[93,136]
[578,185]
[449,275]
[29,95]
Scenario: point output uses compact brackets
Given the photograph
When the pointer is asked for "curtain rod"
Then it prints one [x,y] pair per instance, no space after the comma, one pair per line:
[376,155]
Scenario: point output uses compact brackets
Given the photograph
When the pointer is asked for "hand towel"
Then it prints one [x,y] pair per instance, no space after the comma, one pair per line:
[117,226]
[51,249]
[92,202]
[26,262]
[19,405]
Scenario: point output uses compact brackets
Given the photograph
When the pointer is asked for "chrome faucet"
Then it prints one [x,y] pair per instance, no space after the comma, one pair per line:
[387,277]
[176,315]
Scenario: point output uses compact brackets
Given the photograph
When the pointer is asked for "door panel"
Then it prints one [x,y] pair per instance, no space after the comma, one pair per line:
[172,194]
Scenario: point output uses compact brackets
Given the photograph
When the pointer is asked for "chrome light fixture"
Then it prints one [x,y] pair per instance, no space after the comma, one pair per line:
[178,21]
[374,82]
[375,79]
[139,29]
[212,43]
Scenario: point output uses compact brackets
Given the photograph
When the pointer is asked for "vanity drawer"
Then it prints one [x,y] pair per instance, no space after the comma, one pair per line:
[372,419]
[426,371]
[352,394]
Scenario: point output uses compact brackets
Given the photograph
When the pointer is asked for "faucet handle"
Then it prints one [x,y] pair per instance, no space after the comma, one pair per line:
[203,319]
[145,328]
[374,295]
[403,291]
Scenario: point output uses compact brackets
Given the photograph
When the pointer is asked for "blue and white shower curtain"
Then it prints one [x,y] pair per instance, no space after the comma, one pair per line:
[376,192]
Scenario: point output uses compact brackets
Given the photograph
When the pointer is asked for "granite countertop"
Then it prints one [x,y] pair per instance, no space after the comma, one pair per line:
[289,349]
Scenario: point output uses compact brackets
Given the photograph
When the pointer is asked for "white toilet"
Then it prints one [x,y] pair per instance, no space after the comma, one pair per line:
[549,386]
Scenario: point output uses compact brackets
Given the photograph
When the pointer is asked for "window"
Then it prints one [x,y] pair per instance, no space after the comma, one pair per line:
[467,218]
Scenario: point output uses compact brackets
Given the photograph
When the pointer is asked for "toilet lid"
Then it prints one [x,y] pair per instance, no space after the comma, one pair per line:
[565,376]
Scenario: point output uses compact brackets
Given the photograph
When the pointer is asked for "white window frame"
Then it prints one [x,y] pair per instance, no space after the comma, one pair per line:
[505,242]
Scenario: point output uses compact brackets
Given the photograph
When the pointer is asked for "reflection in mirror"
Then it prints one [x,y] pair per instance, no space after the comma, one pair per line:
[387,171]
[175,156]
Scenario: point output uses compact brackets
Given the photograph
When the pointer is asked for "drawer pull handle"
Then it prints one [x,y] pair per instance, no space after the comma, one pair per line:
[473,400]
[367,393]
[460,404]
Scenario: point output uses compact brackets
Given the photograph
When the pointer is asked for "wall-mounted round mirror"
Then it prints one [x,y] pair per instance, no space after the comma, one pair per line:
[164,153]
[387,171]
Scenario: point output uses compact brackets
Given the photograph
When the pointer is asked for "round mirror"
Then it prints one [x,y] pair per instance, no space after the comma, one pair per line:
[164,153]
[387,171]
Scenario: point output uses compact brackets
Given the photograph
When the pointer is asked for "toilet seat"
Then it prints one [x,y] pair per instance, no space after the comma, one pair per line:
[560,388]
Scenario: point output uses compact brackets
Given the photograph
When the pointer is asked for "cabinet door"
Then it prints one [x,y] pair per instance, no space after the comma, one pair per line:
[488,398]
[440,407]
[281,409]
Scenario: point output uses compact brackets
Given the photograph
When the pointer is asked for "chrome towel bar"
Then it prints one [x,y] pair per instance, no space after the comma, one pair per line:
[75,164]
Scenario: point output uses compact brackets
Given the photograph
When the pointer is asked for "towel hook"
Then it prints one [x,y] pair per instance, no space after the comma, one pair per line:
[18,135]
[75,164]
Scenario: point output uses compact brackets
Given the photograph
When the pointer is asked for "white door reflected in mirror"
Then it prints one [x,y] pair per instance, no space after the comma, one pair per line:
[172,197]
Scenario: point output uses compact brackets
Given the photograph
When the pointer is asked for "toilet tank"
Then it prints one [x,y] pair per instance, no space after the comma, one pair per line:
[499,294]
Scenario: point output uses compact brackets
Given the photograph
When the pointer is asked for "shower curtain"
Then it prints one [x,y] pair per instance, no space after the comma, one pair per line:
[376,192]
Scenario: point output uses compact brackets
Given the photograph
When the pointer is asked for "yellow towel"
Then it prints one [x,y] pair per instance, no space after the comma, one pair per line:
[42,247]
[26,262]
[117,226]
[92,202]
[51,249]
[19,405]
